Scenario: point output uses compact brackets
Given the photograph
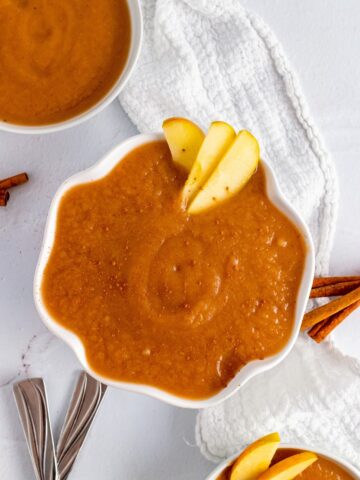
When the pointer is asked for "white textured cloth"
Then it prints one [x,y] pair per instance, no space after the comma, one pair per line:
[313,398]
[212,59]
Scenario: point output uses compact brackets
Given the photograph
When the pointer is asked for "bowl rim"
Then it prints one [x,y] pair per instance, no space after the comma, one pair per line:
[101,169]
[341,462]
[137,33]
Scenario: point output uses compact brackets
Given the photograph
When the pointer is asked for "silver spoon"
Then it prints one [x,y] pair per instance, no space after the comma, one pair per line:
[84,404]
[30,396]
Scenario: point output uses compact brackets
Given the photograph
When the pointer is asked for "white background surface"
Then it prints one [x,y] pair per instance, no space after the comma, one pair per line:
[135,437]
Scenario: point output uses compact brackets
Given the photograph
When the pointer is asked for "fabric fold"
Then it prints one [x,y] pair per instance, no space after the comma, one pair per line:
[214,60]
[210,60]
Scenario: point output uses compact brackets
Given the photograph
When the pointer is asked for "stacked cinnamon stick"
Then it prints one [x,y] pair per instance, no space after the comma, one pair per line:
[322,320]
[8,183]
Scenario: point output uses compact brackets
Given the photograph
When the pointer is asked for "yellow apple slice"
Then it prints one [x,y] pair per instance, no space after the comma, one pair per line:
[184,139]
[290,467]
[217,141]
[256,458]
[232,173]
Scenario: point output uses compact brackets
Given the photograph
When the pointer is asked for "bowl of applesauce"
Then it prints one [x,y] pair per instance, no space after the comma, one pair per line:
[182,308]
[327,466]
[64,61]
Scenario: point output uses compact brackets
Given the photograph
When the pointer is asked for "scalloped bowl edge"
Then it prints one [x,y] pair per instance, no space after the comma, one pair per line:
[101,169]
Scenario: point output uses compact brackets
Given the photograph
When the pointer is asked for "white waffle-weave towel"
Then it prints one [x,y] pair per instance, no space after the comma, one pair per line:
[312,398]
[212,59]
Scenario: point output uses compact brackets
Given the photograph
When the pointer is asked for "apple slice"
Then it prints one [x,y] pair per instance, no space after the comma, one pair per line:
[232,173]
[217,141]
[289,468]
[256,458]
[184,139]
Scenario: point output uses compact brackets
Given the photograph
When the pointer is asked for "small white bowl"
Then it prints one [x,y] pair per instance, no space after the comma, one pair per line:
[344,464]
[134,52]
[102,168]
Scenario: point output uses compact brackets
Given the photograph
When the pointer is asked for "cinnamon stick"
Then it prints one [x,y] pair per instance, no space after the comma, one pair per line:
[321,330]
[322,281]
[336,289]
[316,328]
[14,181]
[325,311]
[4,197]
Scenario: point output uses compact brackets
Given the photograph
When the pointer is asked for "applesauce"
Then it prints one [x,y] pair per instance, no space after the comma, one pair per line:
[59,57]
[162,298]
[322,469]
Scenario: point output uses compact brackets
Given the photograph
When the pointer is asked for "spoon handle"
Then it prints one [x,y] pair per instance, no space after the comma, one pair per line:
[30,396]
[83,406]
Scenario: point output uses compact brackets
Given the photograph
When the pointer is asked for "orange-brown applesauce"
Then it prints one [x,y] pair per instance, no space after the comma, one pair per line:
[162,298]
[58,58]
[322,469]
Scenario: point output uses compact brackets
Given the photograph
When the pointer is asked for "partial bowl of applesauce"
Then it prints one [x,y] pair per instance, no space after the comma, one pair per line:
[62,61]
[327,466]
[182,308]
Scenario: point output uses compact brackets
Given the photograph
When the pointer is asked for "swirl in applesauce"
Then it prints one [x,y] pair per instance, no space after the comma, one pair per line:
[173,281]
[59,57]
[163,298]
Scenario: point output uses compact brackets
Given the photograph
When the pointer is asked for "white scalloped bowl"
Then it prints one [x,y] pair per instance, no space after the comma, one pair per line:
[134,53]
[344,464]
[101,169]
